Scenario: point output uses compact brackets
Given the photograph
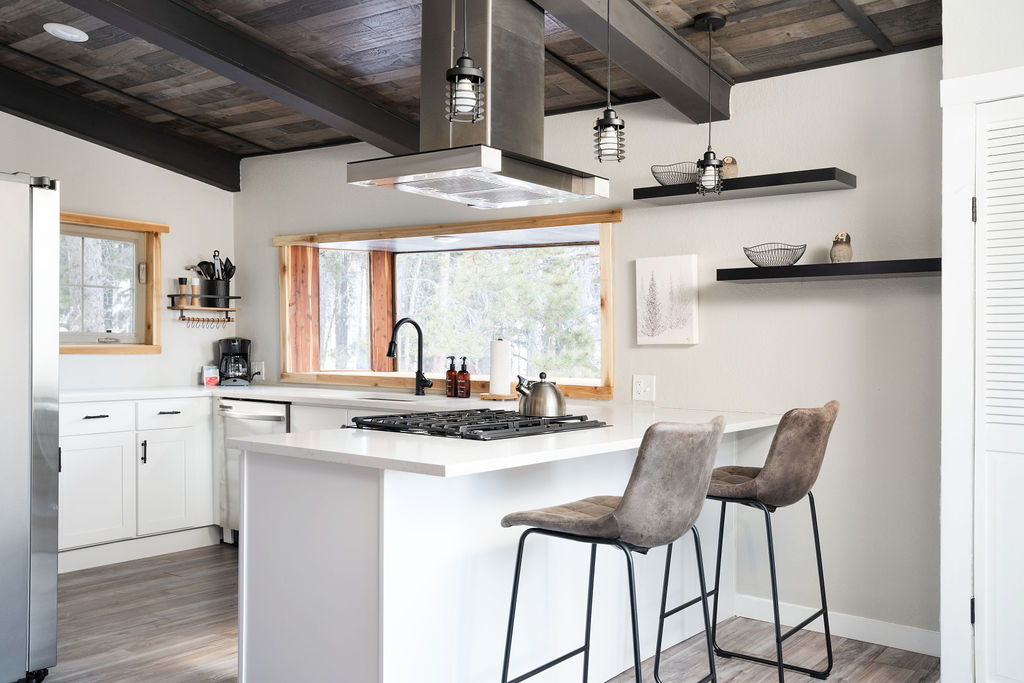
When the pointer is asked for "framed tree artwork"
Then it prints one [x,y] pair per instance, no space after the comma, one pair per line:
[666,300]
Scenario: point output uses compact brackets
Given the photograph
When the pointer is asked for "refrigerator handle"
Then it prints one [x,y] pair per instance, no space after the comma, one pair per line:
[60,459]
[144,451]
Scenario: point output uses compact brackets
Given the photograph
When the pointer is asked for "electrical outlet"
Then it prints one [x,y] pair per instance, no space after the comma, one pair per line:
[258,371]
[643,387]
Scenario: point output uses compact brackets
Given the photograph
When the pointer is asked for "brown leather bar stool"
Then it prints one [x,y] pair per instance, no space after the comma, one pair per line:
[787,476]
[661,502]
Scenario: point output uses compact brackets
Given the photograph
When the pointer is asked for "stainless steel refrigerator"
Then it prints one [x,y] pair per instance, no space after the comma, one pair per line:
[29,458]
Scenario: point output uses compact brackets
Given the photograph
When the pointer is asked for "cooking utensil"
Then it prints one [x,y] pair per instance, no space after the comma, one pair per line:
[229,269]
[218,268]
[206,268]
[197,270]
[774,254]
[540,399]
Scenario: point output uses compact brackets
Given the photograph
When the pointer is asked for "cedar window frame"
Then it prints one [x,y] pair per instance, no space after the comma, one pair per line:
[300,313]
[149,293]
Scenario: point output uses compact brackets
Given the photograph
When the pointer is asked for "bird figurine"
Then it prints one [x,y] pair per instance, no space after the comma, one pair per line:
[841,251]
[729,167]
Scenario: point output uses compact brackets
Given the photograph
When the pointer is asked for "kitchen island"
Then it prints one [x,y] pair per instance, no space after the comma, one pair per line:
[377,557]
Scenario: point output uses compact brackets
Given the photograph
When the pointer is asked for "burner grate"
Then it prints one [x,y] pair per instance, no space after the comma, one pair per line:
[482,424]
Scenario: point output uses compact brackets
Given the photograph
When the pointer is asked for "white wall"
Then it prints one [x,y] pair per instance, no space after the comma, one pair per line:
[99,181]
[978,37]
[872,344]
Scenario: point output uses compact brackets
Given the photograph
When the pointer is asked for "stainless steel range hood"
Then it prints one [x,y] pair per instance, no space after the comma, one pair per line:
[494,163]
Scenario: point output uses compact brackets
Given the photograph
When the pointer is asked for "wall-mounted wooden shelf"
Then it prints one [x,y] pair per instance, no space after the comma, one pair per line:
[855,270]
[791,182]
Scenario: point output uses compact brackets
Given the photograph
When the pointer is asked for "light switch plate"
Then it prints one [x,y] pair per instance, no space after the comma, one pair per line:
[257,367]
[643,387]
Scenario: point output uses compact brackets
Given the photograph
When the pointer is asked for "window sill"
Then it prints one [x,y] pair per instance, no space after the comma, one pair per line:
[400,380]
[110,349]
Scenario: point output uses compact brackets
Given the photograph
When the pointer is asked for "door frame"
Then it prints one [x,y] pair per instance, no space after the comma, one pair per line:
[959,100]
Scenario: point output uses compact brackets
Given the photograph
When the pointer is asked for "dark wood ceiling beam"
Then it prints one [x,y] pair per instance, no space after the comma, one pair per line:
[650,52]
[122,94]
[579,75]
[753,13]
[56,108]
[865,24]
[222,49]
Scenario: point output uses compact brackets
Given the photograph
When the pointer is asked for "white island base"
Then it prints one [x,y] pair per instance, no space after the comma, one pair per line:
[398,571]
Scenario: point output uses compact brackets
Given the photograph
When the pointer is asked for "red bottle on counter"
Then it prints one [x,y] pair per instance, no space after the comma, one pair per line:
[450,378]
[462,381]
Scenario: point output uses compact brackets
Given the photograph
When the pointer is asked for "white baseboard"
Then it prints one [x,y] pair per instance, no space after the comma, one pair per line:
[908,638]
[136,548]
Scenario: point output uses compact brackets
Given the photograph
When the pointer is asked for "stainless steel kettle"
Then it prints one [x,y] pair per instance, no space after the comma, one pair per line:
[540,399]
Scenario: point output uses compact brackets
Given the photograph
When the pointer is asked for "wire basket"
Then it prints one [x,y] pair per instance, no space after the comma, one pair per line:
[774,254]
[675,174]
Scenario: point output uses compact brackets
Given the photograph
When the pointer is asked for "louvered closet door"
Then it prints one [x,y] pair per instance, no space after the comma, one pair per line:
[999,398]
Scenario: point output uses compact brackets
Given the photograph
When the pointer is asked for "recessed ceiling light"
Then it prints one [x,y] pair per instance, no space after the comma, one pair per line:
[446,239]
[65,32]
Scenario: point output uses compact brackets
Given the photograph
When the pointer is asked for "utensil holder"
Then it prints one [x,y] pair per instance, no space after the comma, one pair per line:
[217,289]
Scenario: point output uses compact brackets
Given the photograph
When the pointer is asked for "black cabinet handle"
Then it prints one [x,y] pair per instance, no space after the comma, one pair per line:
[143,451]
[169,412]
[94,417]
[60,459]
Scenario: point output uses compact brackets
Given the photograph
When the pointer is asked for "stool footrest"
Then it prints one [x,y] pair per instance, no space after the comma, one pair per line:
[802,624]
[544,667]
[691,603]
[813,673]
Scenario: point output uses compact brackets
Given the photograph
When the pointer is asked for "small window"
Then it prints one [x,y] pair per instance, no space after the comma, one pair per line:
[99,285]
[344,310]
[109,285]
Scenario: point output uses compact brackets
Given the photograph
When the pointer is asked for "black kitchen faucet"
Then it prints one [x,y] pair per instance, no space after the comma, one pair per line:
[421,380]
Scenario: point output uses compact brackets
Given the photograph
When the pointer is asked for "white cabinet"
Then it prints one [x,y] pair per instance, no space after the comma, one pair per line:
[97,489]
[163,476]
[152,474]
[313,418]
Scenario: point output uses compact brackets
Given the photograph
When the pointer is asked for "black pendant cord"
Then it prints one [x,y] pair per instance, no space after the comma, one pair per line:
[608,46]
[465,29]
[709,86]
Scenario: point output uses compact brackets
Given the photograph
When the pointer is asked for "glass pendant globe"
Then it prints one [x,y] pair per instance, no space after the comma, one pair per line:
[465,96]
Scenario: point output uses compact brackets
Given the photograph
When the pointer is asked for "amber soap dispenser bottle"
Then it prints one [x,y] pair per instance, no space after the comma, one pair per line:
[462,381]
[450,378]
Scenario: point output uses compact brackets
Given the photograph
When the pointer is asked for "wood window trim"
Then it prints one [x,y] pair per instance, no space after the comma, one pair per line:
[151,291]
[300,311]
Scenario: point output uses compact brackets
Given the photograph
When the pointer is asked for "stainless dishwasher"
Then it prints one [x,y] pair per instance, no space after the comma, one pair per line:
[241,418]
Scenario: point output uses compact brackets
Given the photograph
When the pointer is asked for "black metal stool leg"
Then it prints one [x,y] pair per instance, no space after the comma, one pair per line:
[775,593]
[713,676]
[512,608]
[821,584]
[718,577]
[661,614]
[638,674]
[590,611]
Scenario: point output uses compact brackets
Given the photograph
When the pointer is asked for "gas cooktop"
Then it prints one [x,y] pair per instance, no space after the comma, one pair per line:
[483,424]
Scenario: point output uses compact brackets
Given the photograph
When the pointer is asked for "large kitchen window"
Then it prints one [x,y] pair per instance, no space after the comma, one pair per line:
[109,285]
[543,284]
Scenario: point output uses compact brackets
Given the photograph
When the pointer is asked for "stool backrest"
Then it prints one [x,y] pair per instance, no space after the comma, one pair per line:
[797,452]
[670,478]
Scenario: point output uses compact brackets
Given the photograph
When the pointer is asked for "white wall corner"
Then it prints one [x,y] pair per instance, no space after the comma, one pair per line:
[908,638]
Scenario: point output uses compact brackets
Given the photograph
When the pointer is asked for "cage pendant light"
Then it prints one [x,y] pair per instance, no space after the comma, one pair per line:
[709,169]
[609,131]
[465,87]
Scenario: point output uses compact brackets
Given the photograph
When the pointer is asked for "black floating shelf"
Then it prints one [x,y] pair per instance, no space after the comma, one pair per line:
[855,270]
[770,184]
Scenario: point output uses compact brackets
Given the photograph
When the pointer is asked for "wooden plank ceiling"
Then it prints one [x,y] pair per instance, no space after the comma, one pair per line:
[373,47]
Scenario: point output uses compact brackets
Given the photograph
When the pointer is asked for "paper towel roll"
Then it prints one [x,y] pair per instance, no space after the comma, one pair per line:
[501,367]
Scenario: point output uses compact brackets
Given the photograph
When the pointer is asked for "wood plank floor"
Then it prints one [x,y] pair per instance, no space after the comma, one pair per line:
[174,618]
[171,618]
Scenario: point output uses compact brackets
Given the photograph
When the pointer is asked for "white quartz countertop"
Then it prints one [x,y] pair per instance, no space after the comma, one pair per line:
[448,457]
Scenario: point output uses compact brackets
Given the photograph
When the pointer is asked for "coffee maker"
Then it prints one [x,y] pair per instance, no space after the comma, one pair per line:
[234,361]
